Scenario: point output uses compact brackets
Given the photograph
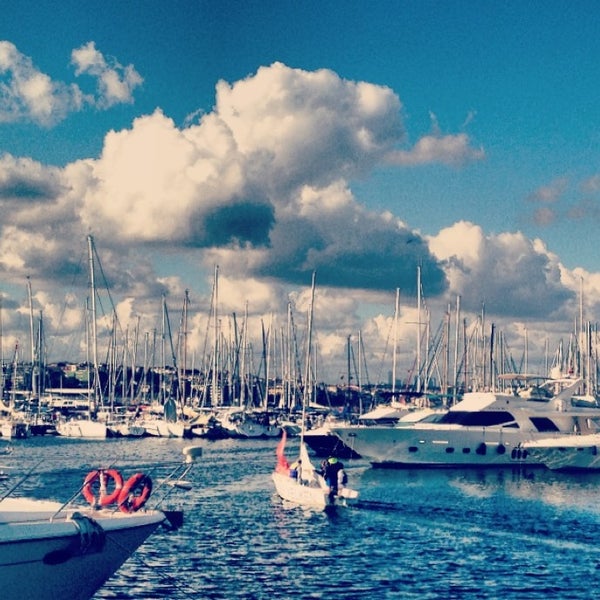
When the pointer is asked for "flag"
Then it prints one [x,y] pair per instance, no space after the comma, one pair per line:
[282,464]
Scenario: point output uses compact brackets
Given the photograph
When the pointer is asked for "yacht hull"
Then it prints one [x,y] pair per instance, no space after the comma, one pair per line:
[67,558]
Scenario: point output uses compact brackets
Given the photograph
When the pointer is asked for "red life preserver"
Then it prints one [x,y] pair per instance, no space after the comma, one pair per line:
[135,493]
[102,476]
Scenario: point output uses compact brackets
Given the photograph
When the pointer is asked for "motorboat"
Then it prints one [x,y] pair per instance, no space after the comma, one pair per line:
[323,442]
[483,429]
[566,452]
[301,484]
[50,550]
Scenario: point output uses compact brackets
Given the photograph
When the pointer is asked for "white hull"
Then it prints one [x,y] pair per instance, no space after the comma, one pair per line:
[249,429]
[82,428]
[240,424]
[66,557]
[306,487]
[14,430]
[162,428]
[126,429]
[289,489]
[485,429]
[564,453]
[317,496]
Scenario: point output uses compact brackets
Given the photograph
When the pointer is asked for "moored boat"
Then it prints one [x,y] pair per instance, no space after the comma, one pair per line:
[82,428]
[51,550]
[323,442]
[484,429]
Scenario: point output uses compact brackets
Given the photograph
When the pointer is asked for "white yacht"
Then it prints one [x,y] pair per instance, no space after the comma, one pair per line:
[484,429]
[47,552]
[51,550]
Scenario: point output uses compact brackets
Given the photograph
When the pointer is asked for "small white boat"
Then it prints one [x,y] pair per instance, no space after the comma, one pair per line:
[240,423]
[51,551]
[160,427]
[14,429]
[164,421]
[302,484]
[126,429]
[82,428]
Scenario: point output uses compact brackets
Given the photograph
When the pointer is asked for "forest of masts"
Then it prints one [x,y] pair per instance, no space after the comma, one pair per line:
[447,362]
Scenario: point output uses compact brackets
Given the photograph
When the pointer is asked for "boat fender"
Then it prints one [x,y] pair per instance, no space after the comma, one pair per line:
[91,539]
[102,476]
[135,493]
[501,449]
[481,449]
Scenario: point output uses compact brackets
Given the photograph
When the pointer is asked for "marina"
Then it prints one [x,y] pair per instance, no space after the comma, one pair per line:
[299,300]
[415,533]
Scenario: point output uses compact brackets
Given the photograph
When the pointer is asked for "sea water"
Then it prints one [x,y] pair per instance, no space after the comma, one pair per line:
[426,534]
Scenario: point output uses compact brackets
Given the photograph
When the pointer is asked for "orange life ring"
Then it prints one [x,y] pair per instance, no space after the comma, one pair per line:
[135,493]
[102,476]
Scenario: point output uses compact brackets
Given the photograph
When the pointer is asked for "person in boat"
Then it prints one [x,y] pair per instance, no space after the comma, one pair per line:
[295,469]
[335,476]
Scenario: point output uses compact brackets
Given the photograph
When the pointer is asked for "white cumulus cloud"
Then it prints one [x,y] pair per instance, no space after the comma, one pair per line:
[28,94]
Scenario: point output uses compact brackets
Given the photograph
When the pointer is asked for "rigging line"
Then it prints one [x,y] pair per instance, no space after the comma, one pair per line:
[10,490]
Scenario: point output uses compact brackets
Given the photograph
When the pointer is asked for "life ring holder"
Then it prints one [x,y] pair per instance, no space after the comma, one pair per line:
[103,476]
[135,493]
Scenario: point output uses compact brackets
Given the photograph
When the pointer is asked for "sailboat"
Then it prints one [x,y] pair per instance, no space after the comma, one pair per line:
[301,483]
[89,427]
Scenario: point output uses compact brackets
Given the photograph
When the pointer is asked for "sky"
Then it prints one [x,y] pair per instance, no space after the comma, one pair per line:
[360,141]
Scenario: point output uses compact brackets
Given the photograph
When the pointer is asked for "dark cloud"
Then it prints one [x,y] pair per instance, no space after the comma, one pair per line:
[362,253]
[237,224]
[22,179]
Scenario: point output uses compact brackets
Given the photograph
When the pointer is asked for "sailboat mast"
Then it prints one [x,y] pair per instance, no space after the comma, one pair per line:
[456,343]
[418,383]
[32,337]
[215,397]
[94,340]
[243,349]
[40,364]
[308,357]
[2,382]
[395,349]
[183,362]
[360,358]
[163,358]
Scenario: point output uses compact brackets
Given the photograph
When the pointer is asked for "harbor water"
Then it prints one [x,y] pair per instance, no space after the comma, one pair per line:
[426,534]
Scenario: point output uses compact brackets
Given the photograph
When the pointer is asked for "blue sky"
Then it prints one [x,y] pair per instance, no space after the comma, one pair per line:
[465,138]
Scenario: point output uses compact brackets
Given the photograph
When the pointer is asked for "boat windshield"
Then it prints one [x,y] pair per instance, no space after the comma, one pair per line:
[478,418]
